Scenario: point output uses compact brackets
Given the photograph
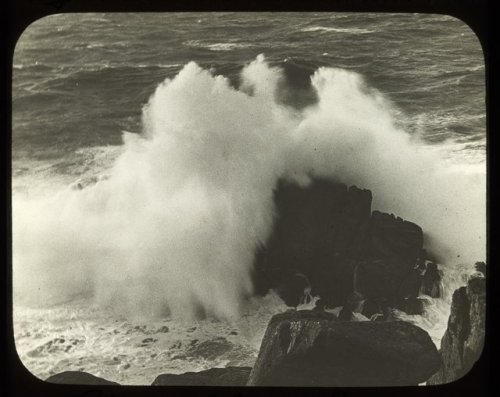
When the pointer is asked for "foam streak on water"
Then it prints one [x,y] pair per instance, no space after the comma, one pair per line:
[80,336]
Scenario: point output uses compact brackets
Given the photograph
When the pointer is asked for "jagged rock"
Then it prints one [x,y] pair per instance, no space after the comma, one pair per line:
[326,232]
[431,283]
[463,340]
[292,287]
[352,305]
[78,378]
[374,279]
[312,348]
[395,239]
[480,267]
[373,306]
[411,305]
[229,376]
[412,282]
[317,230]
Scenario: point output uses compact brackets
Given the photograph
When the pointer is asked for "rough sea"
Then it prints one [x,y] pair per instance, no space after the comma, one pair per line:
[81,88]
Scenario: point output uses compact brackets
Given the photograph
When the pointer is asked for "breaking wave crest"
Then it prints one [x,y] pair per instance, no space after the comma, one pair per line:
[175,225]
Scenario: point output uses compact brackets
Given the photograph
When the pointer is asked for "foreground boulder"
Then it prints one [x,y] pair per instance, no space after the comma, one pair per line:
[463,340]
[312,348]
[78,378]
[230,376]
[327,233]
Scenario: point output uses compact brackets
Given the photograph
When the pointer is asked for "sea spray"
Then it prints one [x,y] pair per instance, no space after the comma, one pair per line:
[434,319]
[175,225]
[351,135]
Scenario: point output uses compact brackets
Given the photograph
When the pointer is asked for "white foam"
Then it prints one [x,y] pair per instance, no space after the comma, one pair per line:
[223,46]
[337,30]
[175,226]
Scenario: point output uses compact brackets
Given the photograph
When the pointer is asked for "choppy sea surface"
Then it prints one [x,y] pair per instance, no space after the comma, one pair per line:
[81,80]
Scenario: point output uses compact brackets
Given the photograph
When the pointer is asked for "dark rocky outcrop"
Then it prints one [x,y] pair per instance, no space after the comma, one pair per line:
[432,281]
[230,376]
[480,267]
[328,233]
[312,348]
[78,378]
[463,340]
[411,305]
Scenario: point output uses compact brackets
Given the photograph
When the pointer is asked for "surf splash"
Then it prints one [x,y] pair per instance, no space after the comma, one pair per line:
[174,226]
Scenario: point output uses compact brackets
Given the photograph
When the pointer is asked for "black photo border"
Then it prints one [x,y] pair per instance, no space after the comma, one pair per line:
[478,14]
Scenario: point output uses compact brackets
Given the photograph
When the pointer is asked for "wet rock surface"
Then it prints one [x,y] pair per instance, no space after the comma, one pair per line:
[312,348]
[78,378]
[463,340]
[229,376]
[327,238]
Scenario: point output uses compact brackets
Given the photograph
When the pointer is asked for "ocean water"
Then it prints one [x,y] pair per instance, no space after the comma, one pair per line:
[138,201]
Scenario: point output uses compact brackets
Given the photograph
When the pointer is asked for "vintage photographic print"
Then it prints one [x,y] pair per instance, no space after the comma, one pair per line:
[249,199]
